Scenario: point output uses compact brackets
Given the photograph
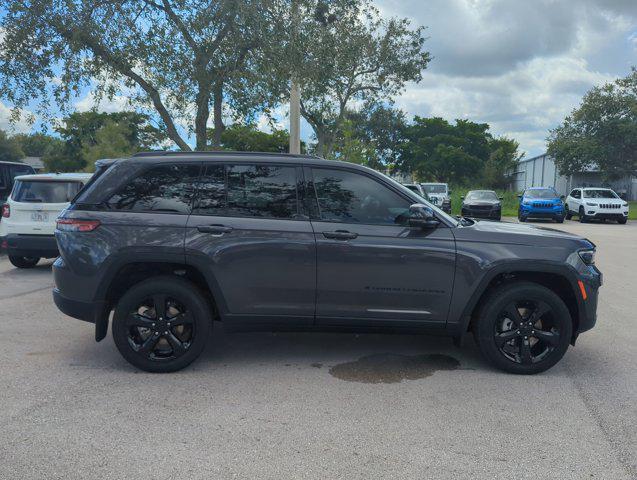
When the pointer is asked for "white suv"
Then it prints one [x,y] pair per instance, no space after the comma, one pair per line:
[28,219]
[596,203]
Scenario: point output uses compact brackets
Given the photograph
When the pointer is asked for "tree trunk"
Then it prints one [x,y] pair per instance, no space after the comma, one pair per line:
[218,116]
[201,119]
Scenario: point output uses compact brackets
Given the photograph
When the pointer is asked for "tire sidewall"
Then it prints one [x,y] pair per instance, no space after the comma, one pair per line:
[484,330]
[23,262]
[175,287]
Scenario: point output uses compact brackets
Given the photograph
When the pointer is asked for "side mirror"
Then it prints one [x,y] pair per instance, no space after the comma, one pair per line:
[462,198]
[562,197]
[520,196]
[448,192]
[500,198]
[422,216]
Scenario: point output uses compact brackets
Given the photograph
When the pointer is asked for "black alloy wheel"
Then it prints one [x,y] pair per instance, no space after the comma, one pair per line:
[523,328]
[161,324]
[24,262]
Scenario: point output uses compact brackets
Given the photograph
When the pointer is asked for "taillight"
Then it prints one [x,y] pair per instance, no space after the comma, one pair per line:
[76,225]
[6,210]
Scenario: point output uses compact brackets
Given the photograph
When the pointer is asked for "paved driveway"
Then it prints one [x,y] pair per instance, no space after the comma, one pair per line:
[319,406]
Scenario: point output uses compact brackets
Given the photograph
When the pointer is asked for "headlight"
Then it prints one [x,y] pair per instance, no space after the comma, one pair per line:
[587,256]
[526,202]
[625,204]
[591,204]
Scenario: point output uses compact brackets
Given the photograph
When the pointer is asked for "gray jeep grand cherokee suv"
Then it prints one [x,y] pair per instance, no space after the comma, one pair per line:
[170,241]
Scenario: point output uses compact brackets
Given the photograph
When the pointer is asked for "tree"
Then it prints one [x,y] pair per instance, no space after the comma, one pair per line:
[601,132]
[36,144]
[352,54]
[247,138]
[10,150]
[81,131]
[176,58]
[503,158]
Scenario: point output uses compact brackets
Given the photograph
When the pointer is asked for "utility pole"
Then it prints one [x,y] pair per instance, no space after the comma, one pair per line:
[295,91]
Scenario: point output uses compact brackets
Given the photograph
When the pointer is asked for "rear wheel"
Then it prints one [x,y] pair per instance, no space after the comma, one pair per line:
[523,328]
[24,262]
[161,324]
[582,216]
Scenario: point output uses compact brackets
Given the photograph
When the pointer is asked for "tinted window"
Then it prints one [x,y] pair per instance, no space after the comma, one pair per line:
[575,194]
[434,188]
[267,191]
[45,192]
[20,170]
[354,198]
[166,188]
[261,191]
[481,195]
[211,199]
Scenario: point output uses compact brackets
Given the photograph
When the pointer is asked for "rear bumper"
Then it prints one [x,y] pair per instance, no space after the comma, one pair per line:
[30,245]
[87,311]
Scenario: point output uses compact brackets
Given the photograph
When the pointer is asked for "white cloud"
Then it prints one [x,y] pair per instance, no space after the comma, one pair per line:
[89,101]
[22,125]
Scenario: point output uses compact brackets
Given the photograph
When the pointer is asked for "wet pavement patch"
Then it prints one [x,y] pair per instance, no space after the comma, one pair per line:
[393,368]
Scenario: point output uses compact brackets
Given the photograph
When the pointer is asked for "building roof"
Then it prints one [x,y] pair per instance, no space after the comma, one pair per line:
[35,162]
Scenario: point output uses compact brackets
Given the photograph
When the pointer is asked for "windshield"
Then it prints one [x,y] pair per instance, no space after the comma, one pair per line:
[481,195]
[45,192]
[600,194]
[544,193]
[434,188]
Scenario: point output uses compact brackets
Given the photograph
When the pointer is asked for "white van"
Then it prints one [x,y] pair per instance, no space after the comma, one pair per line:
[28,219]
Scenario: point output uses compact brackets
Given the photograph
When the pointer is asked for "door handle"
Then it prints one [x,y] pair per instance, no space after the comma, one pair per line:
[214,229]
[340,235]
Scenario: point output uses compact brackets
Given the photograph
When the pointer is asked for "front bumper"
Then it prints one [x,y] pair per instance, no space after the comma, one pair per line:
[606,215]
[30,245]
[528,211]
[495,213]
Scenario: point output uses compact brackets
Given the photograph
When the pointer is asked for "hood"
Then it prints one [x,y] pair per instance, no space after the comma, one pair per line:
[514,233]
[481,203]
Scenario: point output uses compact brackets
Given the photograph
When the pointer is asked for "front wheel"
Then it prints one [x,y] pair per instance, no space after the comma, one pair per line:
[622,221]
[523,328]
[582,216]
[521,217]
[559,219]
[569,215]
[24,262]
[161,324]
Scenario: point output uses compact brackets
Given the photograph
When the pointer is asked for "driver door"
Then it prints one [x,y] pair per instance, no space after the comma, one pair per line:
[372,268]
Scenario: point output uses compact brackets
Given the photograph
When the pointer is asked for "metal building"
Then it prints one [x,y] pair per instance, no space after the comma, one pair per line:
[540,171]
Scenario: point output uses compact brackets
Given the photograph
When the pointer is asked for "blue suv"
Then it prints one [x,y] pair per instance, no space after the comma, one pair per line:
[541,202]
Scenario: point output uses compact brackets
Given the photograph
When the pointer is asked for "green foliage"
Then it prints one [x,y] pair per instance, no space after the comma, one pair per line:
[112,140]
[10,150]
[36,144]
[601,132]
[353,147]
[167,56]
[435,150]
[353,55]
[87,135]
[247,138]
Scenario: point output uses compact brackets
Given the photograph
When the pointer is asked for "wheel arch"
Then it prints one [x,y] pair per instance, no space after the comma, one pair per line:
[556,278]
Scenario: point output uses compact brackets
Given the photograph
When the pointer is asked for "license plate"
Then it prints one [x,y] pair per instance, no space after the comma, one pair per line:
[39,217]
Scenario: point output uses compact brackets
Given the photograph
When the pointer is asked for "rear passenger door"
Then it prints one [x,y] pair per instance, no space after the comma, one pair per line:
[249,233]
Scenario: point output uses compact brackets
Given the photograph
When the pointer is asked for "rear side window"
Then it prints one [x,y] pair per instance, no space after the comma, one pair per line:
[45,192]
[355,198]
[162,189]
[265,191]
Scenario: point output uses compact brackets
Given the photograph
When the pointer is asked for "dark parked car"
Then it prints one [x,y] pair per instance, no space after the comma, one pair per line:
[171,241]
[8,171]
[482,204]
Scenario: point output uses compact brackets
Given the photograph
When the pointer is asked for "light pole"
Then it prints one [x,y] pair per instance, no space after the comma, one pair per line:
[295,91]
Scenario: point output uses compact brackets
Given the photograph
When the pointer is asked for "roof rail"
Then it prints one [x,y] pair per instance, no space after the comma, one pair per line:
[218,152]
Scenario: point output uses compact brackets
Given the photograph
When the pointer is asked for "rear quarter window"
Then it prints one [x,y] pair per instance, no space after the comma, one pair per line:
[40,191]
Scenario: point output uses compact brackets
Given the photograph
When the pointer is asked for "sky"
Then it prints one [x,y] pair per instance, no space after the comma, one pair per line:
[519,65]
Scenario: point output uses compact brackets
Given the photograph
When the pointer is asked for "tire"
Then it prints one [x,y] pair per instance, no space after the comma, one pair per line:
[582,216]
[137,315]
[622,221]
[559,219]
[521,217]
[24,262]
[547,338]
[569,215]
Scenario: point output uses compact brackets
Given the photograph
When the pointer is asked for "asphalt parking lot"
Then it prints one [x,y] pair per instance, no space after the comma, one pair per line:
[317,405]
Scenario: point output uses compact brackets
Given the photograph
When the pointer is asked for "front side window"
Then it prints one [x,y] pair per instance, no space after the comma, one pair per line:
[575,194]
[38,191]
[265,191]
[161,189]
[355,198]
